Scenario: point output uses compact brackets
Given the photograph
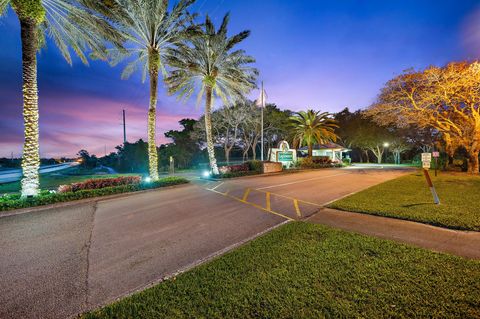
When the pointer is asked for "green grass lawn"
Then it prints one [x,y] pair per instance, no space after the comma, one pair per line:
[53,180]
[409,198]
[311,271]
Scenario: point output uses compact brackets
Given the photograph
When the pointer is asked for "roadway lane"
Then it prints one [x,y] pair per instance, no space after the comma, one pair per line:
[299,195]
[62,261]
[59,262]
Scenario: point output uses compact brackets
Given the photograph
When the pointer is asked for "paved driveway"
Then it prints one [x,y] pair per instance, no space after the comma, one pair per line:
[58,262]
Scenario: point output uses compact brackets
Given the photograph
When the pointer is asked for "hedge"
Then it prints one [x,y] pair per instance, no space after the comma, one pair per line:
[9,202]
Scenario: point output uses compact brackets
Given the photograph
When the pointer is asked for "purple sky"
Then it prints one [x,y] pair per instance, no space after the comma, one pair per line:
[311,54]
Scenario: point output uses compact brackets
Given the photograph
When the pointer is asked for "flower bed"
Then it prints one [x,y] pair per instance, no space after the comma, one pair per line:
[100,183]
[9,202]
[245,169]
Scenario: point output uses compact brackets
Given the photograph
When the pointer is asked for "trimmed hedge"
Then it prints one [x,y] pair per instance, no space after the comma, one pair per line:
[97,183]
[9,202]
[237,174]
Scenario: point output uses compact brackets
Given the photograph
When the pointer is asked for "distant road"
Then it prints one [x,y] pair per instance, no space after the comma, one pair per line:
[13,175]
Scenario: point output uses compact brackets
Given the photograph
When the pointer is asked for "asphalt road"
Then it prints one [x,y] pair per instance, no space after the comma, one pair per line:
[59,262]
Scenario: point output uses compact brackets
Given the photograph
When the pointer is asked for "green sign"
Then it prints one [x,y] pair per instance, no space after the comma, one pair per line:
[284,156]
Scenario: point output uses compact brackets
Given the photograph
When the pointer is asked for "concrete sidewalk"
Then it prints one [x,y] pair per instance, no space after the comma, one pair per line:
[461,243]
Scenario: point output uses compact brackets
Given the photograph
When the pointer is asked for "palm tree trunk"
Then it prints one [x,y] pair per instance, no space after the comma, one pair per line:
[152,116]
[31,157]
[310,151]
[208,130]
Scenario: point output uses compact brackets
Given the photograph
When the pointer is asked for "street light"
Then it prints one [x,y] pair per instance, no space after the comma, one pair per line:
[385,146]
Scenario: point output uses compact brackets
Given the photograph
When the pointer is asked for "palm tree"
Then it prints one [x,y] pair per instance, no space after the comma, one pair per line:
[207,63]
[312,127]
[150,29]
[69,24]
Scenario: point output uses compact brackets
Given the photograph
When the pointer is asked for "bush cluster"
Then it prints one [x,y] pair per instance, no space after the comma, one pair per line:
[315,162]
[234,168]
[9,202]
[100,183]
[255,165]
[248,168]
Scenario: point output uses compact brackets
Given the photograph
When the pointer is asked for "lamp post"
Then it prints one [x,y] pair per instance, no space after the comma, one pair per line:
[385,147]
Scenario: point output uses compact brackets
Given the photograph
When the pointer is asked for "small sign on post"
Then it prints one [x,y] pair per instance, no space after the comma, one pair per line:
[426,160]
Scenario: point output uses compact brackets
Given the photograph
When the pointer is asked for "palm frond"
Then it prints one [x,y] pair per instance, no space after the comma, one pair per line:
[3,7]
[207,59]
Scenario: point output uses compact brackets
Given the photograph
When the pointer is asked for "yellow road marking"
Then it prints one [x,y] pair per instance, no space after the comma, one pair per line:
[245,195]
[267,197]
[297,209]
[251,204]
[288,197]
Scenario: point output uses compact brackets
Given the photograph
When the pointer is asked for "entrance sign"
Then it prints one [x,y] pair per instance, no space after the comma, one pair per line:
[285,156]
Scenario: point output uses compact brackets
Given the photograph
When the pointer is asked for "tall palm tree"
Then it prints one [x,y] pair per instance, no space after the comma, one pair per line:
[150,29]
[312,127]
[69,24]
[207,64]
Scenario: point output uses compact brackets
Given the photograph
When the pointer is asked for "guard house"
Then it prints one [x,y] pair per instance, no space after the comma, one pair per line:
[332,150]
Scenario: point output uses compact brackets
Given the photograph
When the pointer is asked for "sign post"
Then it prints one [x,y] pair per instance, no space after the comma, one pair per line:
[426,160]
[436,155]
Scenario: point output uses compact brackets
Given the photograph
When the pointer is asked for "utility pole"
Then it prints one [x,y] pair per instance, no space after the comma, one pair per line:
[124,129]
[263,106]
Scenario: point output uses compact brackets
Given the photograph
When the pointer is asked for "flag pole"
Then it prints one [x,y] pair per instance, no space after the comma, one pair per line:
[263,105]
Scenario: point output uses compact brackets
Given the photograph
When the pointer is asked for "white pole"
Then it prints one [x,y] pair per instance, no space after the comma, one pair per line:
[261,137]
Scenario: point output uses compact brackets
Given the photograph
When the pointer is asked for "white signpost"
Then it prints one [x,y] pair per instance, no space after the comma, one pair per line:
[426,160]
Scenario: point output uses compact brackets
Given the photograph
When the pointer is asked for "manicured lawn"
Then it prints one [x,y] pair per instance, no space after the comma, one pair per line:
[310,271]
[51,181]
[409,198]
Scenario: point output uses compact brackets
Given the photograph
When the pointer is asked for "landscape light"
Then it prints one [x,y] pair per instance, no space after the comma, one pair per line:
[148,179]
[206,174]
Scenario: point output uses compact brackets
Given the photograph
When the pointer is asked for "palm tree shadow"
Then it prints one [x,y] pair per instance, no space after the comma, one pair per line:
[416,204]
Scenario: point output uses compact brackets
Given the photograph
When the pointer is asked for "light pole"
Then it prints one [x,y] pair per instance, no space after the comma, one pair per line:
[385,147]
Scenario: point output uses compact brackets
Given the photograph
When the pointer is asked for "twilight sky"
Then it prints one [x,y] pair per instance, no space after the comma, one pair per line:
[311,53]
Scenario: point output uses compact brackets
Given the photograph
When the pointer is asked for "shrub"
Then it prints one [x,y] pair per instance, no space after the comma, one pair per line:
[254,165]
[238,174]
[9,202]
[234,168]
[321,160]
[306,162]
[347,161]
[100,183]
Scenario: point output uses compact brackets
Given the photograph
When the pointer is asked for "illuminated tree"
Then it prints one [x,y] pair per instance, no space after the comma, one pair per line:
[446,99]
[70,25]
[149,29]
[207,64]
[312,127]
